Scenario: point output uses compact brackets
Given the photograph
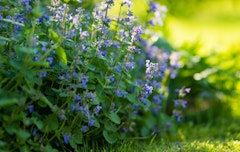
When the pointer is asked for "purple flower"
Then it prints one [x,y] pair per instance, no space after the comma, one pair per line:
[102,53]
[124,94]
[177,114]
[80,108]
[111,78]
[107,43]
[148,89]
[50,60]
[130,65]
[90,95]
[34,132]
[184,104]
[176,103]
[86,112]
[118,68]
[187,90]
[136,33]
[116,44]
[84,81]
[157,100]
[78,97]
[84,129]
[153,7]
[42,74]
[97,109]
[91,123]
[128,3]
[31,108]
[66,138]
[73,107]
[119,94]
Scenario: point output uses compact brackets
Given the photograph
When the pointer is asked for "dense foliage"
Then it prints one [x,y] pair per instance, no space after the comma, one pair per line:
[69,75]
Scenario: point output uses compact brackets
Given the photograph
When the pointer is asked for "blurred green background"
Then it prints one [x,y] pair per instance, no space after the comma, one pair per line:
[207,32]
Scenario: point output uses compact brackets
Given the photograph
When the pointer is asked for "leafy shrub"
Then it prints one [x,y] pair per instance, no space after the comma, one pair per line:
[214,80]
[68,75]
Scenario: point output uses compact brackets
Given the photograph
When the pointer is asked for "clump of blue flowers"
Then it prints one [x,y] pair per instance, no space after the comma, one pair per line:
[70,74]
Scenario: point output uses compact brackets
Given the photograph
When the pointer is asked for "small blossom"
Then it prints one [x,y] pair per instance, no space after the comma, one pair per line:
[97,109]
[84,81]
[148,89]
[84,129]
[184,104]
[66,138]
[130,65]
[31,108]
[153,7]
[121,93]
[78,97]
[90,95]
[128,3]
[157,100]
[118,68]
[111,78]
[34,132]
[42,74]
[91,123]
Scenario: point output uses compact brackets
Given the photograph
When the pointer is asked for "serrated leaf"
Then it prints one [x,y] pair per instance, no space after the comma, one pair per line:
[114,118]
[110,138]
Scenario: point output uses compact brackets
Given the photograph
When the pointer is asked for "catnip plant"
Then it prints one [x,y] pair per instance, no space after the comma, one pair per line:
[69,75]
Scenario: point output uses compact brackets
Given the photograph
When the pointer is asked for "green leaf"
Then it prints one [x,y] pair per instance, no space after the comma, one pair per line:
[91,86]
[109,87]
[73,143]
[39,124]
[109,126]
[61,54]
[26,50]
[145,131]
[52,122]
[77,136]
[7,102]
[91,67]
[4,39]
[100,80]
[110,138]
[23,134]
[12,22]
[114,118]
[150,121]
[2,143]
[132,98]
